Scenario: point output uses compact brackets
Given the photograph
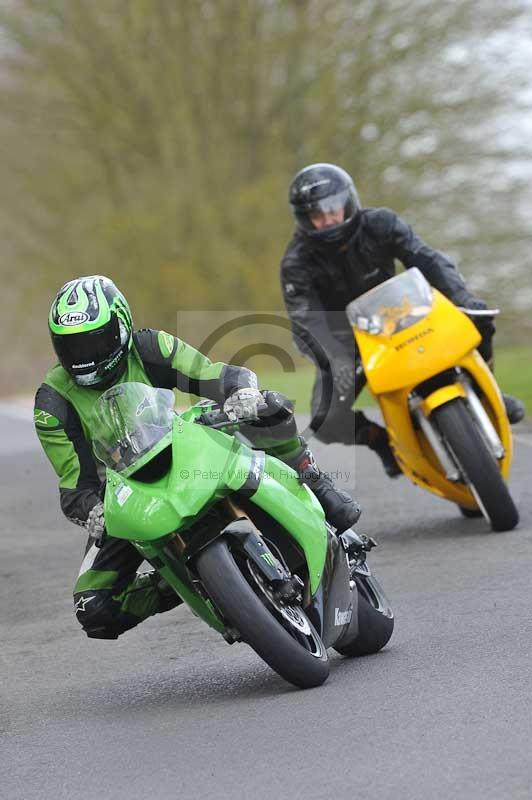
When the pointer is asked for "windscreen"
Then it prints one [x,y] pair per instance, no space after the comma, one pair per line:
[128,421]
[393,306]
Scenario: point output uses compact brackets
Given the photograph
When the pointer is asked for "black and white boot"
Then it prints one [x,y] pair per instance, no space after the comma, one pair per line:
[341,511]
[515,409]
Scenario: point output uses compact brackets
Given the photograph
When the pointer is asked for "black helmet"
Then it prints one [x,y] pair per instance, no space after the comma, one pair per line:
[91,328]
[324,189]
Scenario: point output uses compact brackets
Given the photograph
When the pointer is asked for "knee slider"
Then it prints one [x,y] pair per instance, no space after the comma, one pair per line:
[98,614]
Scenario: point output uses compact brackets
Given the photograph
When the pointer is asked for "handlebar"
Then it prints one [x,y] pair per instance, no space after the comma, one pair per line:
[214,419]
[480,312]
[218,419]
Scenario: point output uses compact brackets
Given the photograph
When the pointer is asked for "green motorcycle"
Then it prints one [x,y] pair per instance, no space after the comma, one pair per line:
[235,534]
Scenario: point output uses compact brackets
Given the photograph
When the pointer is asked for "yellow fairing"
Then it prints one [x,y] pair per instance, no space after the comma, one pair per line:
[430,346]
[395,365]
[441,396]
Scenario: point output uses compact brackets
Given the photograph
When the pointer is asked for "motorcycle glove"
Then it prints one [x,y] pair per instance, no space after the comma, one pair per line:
[343,372]
[244,404]
[475,303]
[485,325]
[96,524]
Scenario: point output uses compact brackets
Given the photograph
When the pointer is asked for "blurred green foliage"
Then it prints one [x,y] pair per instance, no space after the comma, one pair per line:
[153,141]
[513,370]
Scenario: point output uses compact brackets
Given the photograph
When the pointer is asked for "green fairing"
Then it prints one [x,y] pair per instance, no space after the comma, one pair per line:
[291,509]
[176,575]
[206,466]
[131,426]
[147,513]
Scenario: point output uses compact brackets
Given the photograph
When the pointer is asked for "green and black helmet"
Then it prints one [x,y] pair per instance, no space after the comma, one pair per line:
[91,327]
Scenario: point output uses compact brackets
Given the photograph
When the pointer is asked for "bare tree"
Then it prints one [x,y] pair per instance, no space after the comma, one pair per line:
[153,140]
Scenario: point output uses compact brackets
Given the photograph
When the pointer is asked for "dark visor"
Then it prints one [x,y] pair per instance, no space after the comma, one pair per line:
[87,349]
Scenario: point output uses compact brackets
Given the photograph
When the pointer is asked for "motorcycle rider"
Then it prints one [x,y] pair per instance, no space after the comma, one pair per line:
[92,334]
[340,250]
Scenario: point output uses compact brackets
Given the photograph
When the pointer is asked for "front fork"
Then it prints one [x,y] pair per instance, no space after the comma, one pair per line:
[422,408]
[485,424]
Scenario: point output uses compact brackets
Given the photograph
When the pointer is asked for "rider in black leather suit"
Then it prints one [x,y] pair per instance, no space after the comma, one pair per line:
[339,251]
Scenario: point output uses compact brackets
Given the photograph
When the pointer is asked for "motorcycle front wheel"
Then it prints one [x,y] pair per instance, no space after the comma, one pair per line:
[282,636]
[479,466]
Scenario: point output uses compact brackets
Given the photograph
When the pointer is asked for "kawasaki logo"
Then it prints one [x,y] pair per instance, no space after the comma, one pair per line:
[74,318]
[342,617]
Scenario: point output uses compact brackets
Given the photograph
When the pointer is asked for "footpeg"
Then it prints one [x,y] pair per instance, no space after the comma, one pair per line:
[356,543]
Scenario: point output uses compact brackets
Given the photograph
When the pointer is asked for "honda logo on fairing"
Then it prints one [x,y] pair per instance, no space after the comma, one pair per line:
[74,318]
[342,617]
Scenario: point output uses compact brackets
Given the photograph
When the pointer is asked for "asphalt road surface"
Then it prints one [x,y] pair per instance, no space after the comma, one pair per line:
[170,710]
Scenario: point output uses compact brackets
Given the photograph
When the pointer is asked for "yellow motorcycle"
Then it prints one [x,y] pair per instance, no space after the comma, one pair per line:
[441,404]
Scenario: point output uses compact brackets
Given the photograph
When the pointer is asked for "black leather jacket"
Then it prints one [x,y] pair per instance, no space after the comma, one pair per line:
[318,281]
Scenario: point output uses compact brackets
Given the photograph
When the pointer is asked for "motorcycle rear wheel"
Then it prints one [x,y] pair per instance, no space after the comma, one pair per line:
[458,428]
[375,619]
[297,655]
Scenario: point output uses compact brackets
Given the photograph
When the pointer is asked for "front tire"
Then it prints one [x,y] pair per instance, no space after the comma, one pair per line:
[243,609]
[481,470]
[375,619]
